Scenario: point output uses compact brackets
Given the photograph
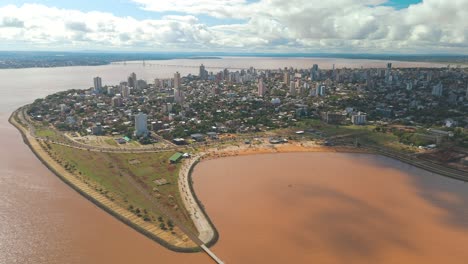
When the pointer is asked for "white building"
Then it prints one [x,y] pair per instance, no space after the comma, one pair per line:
[141,124]
[97,84]
[359,119]
[321,90]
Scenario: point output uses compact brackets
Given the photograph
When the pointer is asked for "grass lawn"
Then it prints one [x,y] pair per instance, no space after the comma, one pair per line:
[111,142]
[46,132]
[109,171]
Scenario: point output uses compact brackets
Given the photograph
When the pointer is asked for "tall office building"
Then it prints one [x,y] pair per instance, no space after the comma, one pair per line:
[176,80]
[261,87]
[97,84]
[141,125]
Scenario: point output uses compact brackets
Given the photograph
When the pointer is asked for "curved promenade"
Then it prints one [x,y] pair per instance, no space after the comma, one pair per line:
[206,231]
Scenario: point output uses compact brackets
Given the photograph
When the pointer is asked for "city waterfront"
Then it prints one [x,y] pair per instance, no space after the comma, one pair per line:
[44,221]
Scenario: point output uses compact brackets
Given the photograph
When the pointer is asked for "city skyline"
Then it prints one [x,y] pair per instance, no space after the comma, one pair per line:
[346,26]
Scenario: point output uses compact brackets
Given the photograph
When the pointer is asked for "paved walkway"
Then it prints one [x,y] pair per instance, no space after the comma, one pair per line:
[206,232]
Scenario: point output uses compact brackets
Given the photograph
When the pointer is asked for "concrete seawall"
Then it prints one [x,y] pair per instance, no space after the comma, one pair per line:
[207,232]
[149,230]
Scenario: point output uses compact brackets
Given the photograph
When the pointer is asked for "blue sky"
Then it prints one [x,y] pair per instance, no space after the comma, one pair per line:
[120,8]
[402,3]
[348,26]
[129,8]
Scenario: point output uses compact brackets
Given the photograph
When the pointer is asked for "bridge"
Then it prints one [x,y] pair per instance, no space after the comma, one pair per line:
[211,254]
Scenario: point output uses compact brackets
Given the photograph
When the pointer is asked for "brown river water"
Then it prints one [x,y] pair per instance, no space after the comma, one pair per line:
[332,208]
[267,208]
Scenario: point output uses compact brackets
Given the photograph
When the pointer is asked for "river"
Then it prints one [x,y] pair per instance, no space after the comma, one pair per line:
[332,208]
[45,221]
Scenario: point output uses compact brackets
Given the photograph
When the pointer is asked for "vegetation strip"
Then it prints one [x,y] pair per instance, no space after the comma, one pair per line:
[93,196]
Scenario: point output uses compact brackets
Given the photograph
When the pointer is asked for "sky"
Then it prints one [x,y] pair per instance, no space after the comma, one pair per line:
[299,26]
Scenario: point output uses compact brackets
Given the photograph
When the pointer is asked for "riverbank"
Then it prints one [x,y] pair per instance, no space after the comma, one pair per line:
[184,244]
[207,233]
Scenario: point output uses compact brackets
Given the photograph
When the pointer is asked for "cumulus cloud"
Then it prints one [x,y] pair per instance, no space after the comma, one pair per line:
[265,25]
[362,24]
[12,22]
[70,28]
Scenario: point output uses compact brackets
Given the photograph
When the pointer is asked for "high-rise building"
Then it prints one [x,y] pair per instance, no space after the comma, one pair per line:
[125,91]
[299,88]
[203,74]
[315,73]
[141,126]
[437,89]
[176,80]
[388,73]
[178,95]
[261,87]
[292,88]
[97,85]
[132,80]
[286,78]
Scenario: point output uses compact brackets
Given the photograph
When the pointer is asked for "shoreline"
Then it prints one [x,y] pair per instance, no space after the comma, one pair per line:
[393,59]
[208,233]
[115,210]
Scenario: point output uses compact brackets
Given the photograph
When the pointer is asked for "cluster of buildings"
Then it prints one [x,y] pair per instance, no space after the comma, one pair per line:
[251,100]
